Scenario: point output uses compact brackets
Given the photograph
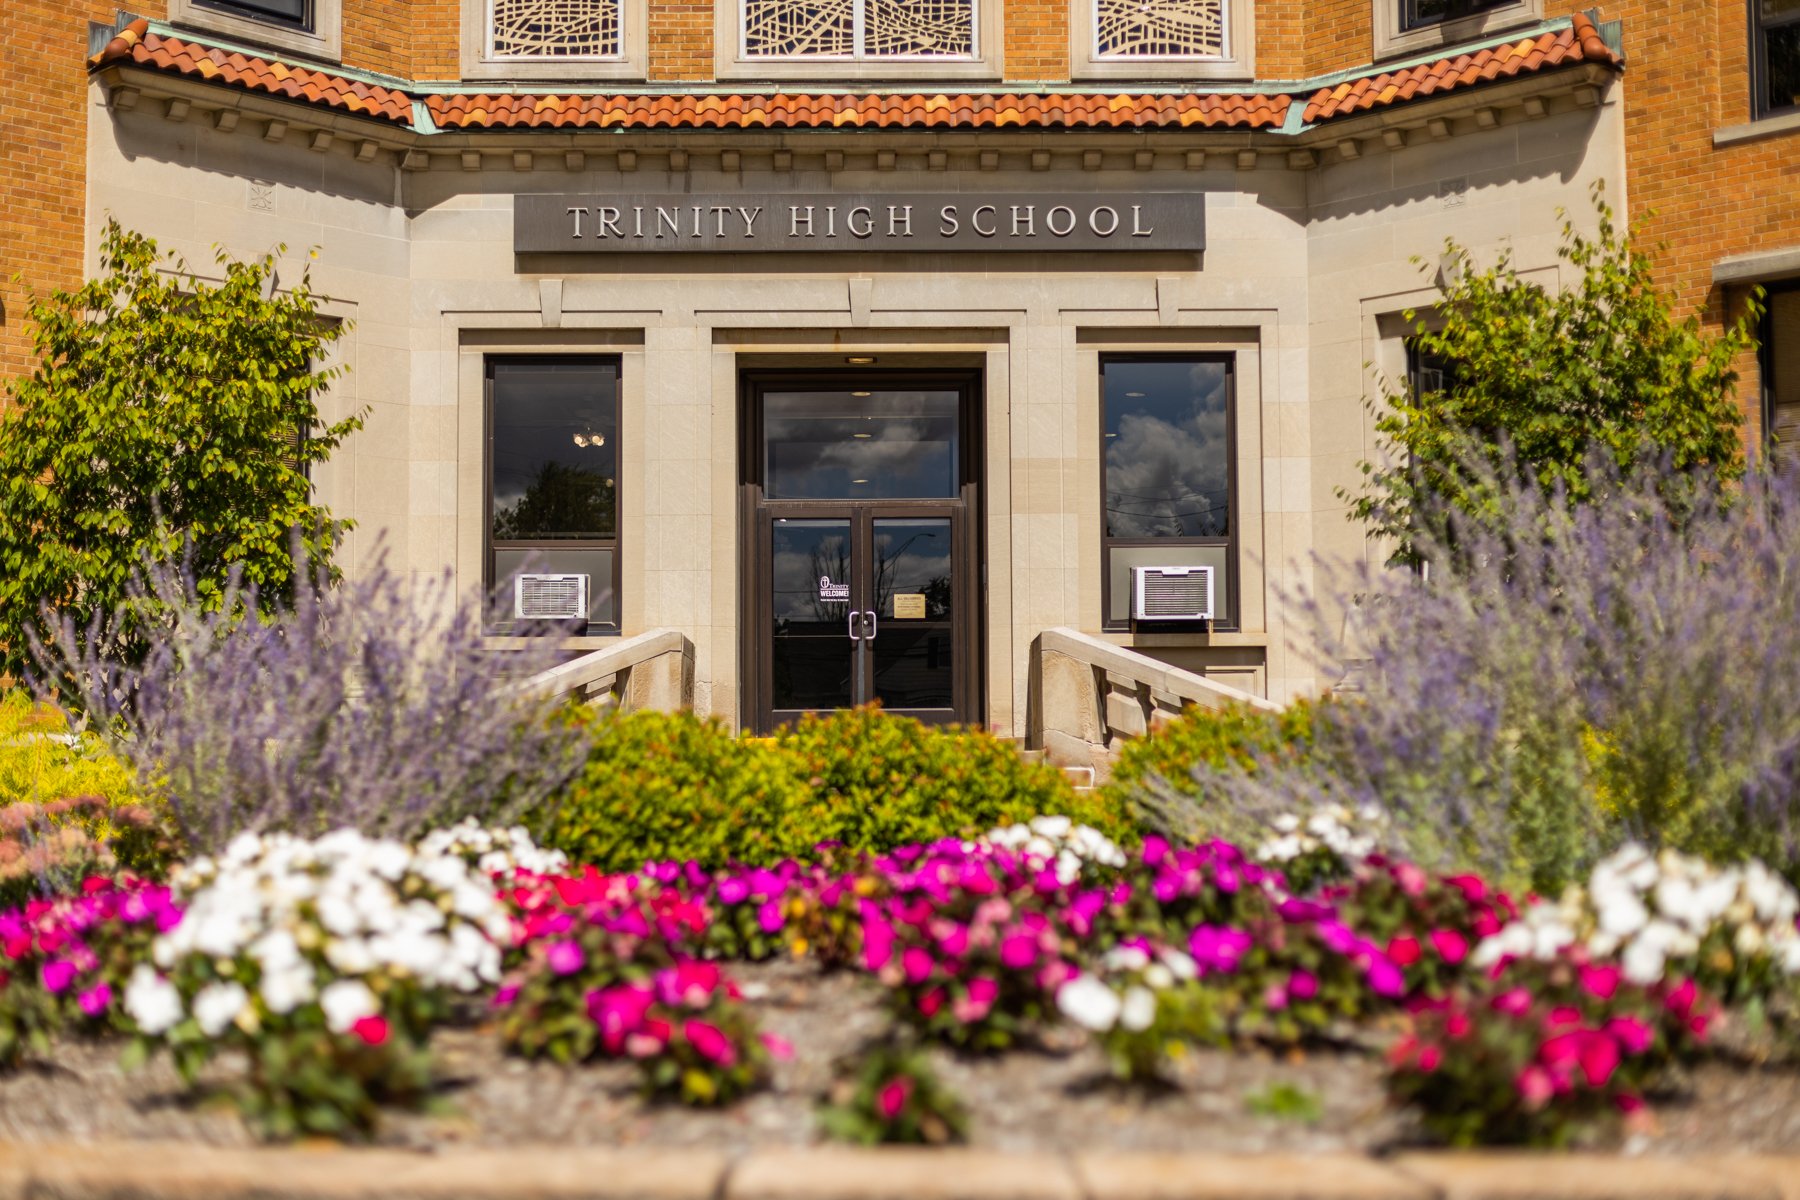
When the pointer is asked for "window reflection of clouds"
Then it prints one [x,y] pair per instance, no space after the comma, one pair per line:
[1167,450]
[801,554]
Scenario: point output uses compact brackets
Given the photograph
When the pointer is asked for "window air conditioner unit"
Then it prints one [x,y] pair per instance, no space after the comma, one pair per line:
[1172,593]
[550,597]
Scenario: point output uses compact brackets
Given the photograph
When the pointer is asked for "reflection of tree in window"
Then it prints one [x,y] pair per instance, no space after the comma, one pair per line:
[562,501]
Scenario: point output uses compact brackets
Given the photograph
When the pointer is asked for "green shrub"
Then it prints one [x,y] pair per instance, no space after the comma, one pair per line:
[677,786]
[40,762]
[880,781]
[673,786]
[1170,779]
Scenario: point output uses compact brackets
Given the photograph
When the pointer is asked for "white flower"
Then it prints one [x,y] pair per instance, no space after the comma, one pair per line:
[1621,914]
[349,956]
[1089,1003]
[1286,823]
[1180,963]
[345,1003]
[1643,962]
[275,950]
[1138,1012]
[288,988]
[1749,941]
[218,1005]
[1052,827]
[152,1001]
[1125,958]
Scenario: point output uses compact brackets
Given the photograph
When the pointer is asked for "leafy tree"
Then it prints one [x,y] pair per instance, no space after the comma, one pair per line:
[166,416]
[1551,382]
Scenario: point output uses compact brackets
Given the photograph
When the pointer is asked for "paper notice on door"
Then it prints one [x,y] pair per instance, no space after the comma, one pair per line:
[909,607]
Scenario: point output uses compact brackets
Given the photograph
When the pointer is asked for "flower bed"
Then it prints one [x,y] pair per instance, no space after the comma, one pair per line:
[318,982]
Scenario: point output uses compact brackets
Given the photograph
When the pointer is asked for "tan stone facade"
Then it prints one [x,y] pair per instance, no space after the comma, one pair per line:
[1311,241]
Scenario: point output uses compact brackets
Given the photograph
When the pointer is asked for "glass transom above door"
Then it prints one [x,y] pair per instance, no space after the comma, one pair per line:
[844,443]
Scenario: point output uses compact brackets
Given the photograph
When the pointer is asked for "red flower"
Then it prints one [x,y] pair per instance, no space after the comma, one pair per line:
[892,1097]
[1404,951]
[710,1042]
[372,1030]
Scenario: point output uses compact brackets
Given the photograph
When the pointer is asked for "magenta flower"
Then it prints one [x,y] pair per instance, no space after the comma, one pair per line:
[1515,1003]
[1385,979]
[58,975]
[1218,949]
[1634,1035]
[1018,951]
[1303,985]
[565,958]
[892,1097]
[1534,1087]
[95,1000]
[768,915]
[710,1043]
[917,964]
[1600,982]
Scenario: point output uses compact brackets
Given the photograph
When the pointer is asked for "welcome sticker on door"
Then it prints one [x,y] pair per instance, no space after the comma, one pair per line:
[910,607]
[833,591]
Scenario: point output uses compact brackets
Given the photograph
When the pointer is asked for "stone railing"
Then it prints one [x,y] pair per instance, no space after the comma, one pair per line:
[1088,694]
[650,670]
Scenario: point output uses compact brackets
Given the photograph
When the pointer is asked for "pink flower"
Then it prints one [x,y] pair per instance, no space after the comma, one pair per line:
[892,1097]
[372,1030]
[1599,1058]
[1515,1003]
[506,995]
[1404,951]
[768,916]
[978,1001]
[878,941]
[1680,1001]
[1534,1087]
[1600,982]
[1218,949]
[1457,1025]
[95,1000]
[1562,1018]
[1631,1033]
[1412,880]
[1303,985]
[1451,946]
[917,964]
[1471,886]
[931,1002]
[565,958]
[710,1042]
[1275,997]
[779,1048]
[1430,1058]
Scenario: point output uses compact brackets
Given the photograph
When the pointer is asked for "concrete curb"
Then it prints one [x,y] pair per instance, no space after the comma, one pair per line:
[167,1171]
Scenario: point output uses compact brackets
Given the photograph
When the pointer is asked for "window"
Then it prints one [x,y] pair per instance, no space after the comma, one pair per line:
[1775,32]
[554,29]
[1416,14]
[552,473]
[1154,39]
[1409,27]
[859,29]
[287,12]
[1781,373]
[1170,29]
[306,27]
[553,39]
[1166,472]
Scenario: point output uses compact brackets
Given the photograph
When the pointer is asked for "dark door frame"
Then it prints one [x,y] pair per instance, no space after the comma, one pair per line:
[970,614]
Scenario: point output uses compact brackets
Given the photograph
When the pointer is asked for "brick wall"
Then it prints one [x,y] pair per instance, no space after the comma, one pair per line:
[43,150]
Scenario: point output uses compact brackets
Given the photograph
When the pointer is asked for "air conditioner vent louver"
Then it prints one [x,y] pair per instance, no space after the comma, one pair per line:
[1172,593]
[550,597]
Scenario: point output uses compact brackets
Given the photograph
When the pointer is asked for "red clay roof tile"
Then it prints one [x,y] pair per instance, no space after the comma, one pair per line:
[1580,42]
[1577,43]
[137,45]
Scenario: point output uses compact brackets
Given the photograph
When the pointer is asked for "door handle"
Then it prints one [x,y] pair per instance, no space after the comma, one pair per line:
[870,614]
[851,623]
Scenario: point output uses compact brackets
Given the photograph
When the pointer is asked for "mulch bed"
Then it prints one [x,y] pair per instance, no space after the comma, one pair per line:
[1052,1098]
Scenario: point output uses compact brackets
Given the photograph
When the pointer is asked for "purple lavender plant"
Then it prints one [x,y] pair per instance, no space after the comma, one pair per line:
[1564,676]
[376,703]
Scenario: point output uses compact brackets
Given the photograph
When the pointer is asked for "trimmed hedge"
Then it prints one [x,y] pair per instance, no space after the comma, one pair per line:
[677,786]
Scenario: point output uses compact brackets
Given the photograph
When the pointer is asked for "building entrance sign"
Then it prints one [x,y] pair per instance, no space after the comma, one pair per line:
[787,222]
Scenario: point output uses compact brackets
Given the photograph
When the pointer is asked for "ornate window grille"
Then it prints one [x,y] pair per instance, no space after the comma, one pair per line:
[555,29]
[859,29]
[1159,29]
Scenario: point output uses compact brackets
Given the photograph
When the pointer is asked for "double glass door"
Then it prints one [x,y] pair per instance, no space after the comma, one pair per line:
[866,596]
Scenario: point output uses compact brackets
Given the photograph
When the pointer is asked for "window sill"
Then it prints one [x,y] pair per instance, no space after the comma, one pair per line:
[1110,70]
[911,73]
[324,43]
[1755,131]
[1391,42]
[1221,638]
